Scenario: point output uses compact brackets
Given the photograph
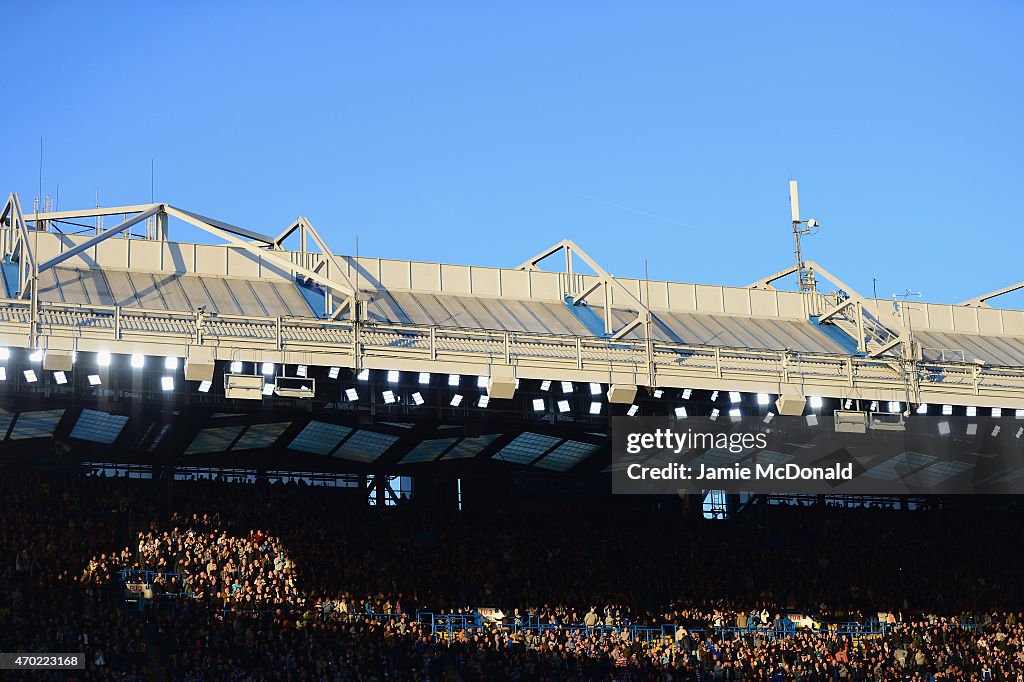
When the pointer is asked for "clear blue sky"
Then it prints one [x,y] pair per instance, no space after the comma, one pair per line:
[483,132]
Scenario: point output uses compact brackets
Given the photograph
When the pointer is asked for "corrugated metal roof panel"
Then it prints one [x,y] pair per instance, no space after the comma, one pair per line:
[994,350]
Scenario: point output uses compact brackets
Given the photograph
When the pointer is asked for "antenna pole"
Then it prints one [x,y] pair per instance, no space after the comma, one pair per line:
[805,279]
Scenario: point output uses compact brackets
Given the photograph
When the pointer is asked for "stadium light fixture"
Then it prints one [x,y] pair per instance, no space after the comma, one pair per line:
[352,394]
[812,420]
[595,407]
[302,371]
[735,397]
[972,429]
[595,389]
[545,385]
[735,413]
[389,397]
[236,366]
[5,353]
[681,411]
[566,387]
[333,372]
[947,410]
[815,401]
[268,388]
[364,375]
[36,355]
[769,417]
[714,414]
[714,396]
[138,360]
[30,376]
[1019,414]
[481,382]
[424,378]
[454,379]
[417,398]
[456,400]
[484,401]
[633,409]
[3,374]
[1019,432]
[171,362]
[103,358]
[847,404]
[922,408]
[996,429]
[167,383]
[874,406]
[997,412]
[393,375]
[538,404]
[205,386]
[94,380]
[60,377]
[943,428]
[894,406]
[658,393]
[687,392]
[762,399]
[972,411]
[267,368]
[563,406]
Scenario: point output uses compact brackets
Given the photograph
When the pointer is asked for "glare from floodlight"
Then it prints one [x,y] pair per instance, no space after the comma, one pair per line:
[364,375]
[545,385]
[947,410]
[352,394]
[687,392]
[922,408]
[714,396]
[333,372]
[267,368]
[484,401]
[205,386]
[595,407]
[392,376]
[3,374]
[424,378]
[481,382]
[171,362]
[37,355]
[302,371]
[236,366]
[563,406]
[103,358]
[453,379]
[389,397]
[997,412]
[138,360]
[762,399]
[60,377]
[943,428]
[566,387]
[734,396]
[417,398]
[972,429]
[815,402]
[456,400]
[812,420]
[681,411]
[538,404]
[167,383]
[30,375]
[633,409]
[94,380]
[5,353]
[595,389]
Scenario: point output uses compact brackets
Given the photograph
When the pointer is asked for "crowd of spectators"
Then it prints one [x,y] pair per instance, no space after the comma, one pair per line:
[280,581]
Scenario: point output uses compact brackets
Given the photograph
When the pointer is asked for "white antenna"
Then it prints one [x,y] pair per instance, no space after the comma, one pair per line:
[800,228]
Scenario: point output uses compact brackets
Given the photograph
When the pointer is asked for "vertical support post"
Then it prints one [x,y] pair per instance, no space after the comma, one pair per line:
[433,343]
[579,353]
[607,308]
[508,349]
[161,226]
[117,323]
[861,343]
[280,333]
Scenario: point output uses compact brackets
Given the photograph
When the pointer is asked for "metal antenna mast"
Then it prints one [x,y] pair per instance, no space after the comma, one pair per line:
[800,228]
